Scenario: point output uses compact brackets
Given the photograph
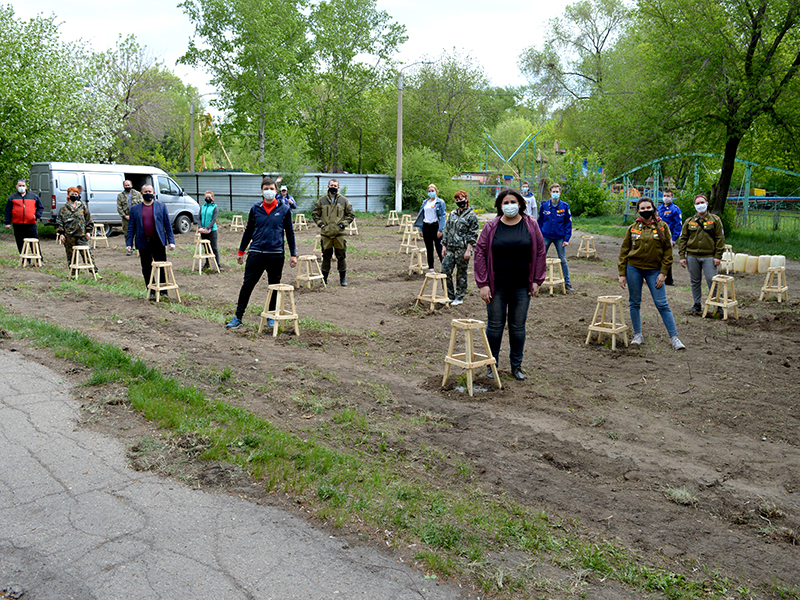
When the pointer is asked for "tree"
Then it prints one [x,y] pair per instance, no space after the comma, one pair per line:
[46,112]
[723,65]
[572,59]
[353,46]
[257,53]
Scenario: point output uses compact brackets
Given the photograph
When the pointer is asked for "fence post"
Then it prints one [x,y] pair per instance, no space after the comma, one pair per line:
[776,219]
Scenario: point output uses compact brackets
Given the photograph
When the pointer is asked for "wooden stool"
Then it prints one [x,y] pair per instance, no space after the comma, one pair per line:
[167,285]
[409,241]
[469,359]
[202,252]
[778,287]
[318,245]
[352,229]
[308,271]
[237,224]
[613,327]
[727,259]
[99,233]
[300,222]
[280,313]
[81,261]
[724,297]
[419,261]
[552,280]
[393,219]
[587,247]
[31,254]
[405,220]
[433,297]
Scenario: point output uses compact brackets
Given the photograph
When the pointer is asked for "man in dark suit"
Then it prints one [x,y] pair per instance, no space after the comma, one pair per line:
[149,225]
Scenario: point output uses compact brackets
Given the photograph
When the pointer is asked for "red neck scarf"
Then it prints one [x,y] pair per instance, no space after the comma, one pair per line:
[271,206]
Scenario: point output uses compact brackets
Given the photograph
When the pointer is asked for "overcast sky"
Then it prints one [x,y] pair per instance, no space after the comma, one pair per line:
[493,33]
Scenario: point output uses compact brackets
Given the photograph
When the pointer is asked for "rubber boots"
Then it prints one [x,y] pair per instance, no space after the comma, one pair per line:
[325,276]
[343,278]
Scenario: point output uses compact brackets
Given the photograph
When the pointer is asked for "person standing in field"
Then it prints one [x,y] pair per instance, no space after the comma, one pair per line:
[149,225]
[431,221]
[127,198]
[209,213]
[531,208]
[332,213]
[700,248]
[671,215]
[74,224]
[23,209]
[555,221]
[459,239]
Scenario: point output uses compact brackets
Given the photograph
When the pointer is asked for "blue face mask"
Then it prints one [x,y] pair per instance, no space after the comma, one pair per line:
[431,194]
[510,210]
[555,195]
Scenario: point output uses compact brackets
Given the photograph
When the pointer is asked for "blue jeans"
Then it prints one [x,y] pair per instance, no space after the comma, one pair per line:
[562,256]
[514,303]
[636,278]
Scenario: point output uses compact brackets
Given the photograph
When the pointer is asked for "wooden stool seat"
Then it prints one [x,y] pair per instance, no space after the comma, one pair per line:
[308,271]
[81,261]
[99,233]
[552,279]
[409,241]
[393,219]
[469,359]
[167,284]
[419,261]
[587,247]
[433,297]
[727,262]
[614,327]
[31,254]
[352,229]
[280,290]
[723,295]
[405,220]
[775,283]
[300,222]
[237,224]
[203,252]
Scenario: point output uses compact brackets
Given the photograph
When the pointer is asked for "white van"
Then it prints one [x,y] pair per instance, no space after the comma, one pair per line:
[101,185]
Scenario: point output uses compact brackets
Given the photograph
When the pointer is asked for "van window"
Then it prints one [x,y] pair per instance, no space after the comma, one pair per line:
[105,182]
[34,182]
[167,186]
[66,180]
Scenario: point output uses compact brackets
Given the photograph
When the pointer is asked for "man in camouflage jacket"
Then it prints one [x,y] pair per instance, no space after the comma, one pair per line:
[332,213]
[125,200]
[459,238]
[73,222]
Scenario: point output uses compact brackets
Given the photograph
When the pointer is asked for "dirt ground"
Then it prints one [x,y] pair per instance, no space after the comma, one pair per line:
[593,434]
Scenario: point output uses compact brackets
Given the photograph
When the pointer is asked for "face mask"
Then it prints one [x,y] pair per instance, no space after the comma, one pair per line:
[148,197]
[74,198]
[333,191]
[525,189]
[647,214]
[667,200]
[461,204]
[431,194]
[269,195]
[127,189]
[701,208]
[209,199]
[510,210]
[21,189]
[555,195]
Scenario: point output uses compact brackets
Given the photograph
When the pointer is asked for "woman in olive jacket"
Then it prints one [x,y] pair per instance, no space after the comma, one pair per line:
[646,256]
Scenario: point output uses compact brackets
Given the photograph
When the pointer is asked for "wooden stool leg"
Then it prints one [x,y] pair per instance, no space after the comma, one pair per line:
[494,364]
[294,312]
[613,323]
[278,311]
[470,355]
[450,354]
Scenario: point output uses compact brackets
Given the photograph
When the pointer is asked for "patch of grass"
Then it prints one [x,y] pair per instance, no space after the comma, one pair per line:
[312,324]
[681,495]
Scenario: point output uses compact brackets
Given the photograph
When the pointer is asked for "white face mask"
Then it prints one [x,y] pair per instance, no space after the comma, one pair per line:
[510,210]
[525,189]
[667,200]
[701,208]
[555,196]
[21,189]
[269,195]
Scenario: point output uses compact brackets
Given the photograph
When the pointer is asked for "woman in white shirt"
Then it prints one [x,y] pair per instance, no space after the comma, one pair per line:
[431,221]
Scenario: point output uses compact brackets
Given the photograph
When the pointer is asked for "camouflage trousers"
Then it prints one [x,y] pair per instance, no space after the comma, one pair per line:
[454,260]
[70,242]
[329,244]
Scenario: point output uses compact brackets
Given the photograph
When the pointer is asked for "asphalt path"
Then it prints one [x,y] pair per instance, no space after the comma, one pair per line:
[75,522]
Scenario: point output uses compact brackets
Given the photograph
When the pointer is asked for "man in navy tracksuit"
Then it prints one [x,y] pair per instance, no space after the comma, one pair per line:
[555,221]
[266,225]
[672,216]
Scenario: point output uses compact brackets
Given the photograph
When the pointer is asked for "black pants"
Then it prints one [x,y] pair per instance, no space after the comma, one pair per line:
[257,263]
[430,235]
[211,236]
[24,231]
[153,250]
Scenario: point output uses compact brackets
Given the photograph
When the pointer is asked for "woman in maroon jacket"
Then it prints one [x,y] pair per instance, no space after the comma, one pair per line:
[509,268]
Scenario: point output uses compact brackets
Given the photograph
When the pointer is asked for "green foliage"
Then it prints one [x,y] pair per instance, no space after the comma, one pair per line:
[422,167]
[587,197]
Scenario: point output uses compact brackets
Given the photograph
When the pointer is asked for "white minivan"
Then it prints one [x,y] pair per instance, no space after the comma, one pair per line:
[101,185]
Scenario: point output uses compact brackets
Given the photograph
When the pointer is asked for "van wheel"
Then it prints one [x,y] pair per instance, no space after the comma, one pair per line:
[108,229]
[183,224]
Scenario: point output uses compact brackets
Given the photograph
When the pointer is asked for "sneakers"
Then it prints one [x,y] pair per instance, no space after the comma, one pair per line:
[234,323]
[456,302]
[431,270]
[489,372]
[569,288]
[638,339]
[129,253]
[696,310]
[677,344]
[518,374]
[270,322]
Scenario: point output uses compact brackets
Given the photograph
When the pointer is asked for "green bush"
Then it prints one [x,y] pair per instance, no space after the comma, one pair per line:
[586,197]
[422,167]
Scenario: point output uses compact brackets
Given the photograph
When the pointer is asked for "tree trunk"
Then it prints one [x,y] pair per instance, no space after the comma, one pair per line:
[262,140]
[728,163]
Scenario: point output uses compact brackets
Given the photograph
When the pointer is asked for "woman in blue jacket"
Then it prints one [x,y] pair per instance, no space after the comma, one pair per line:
[555,221]
[431,221]
[267,223]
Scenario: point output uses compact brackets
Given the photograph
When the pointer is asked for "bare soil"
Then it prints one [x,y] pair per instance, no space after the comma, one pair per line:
[593,434]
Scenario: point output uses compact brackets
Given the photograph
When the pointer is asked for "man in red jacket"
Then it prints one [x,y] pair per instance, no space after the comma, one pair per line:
[23,209]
